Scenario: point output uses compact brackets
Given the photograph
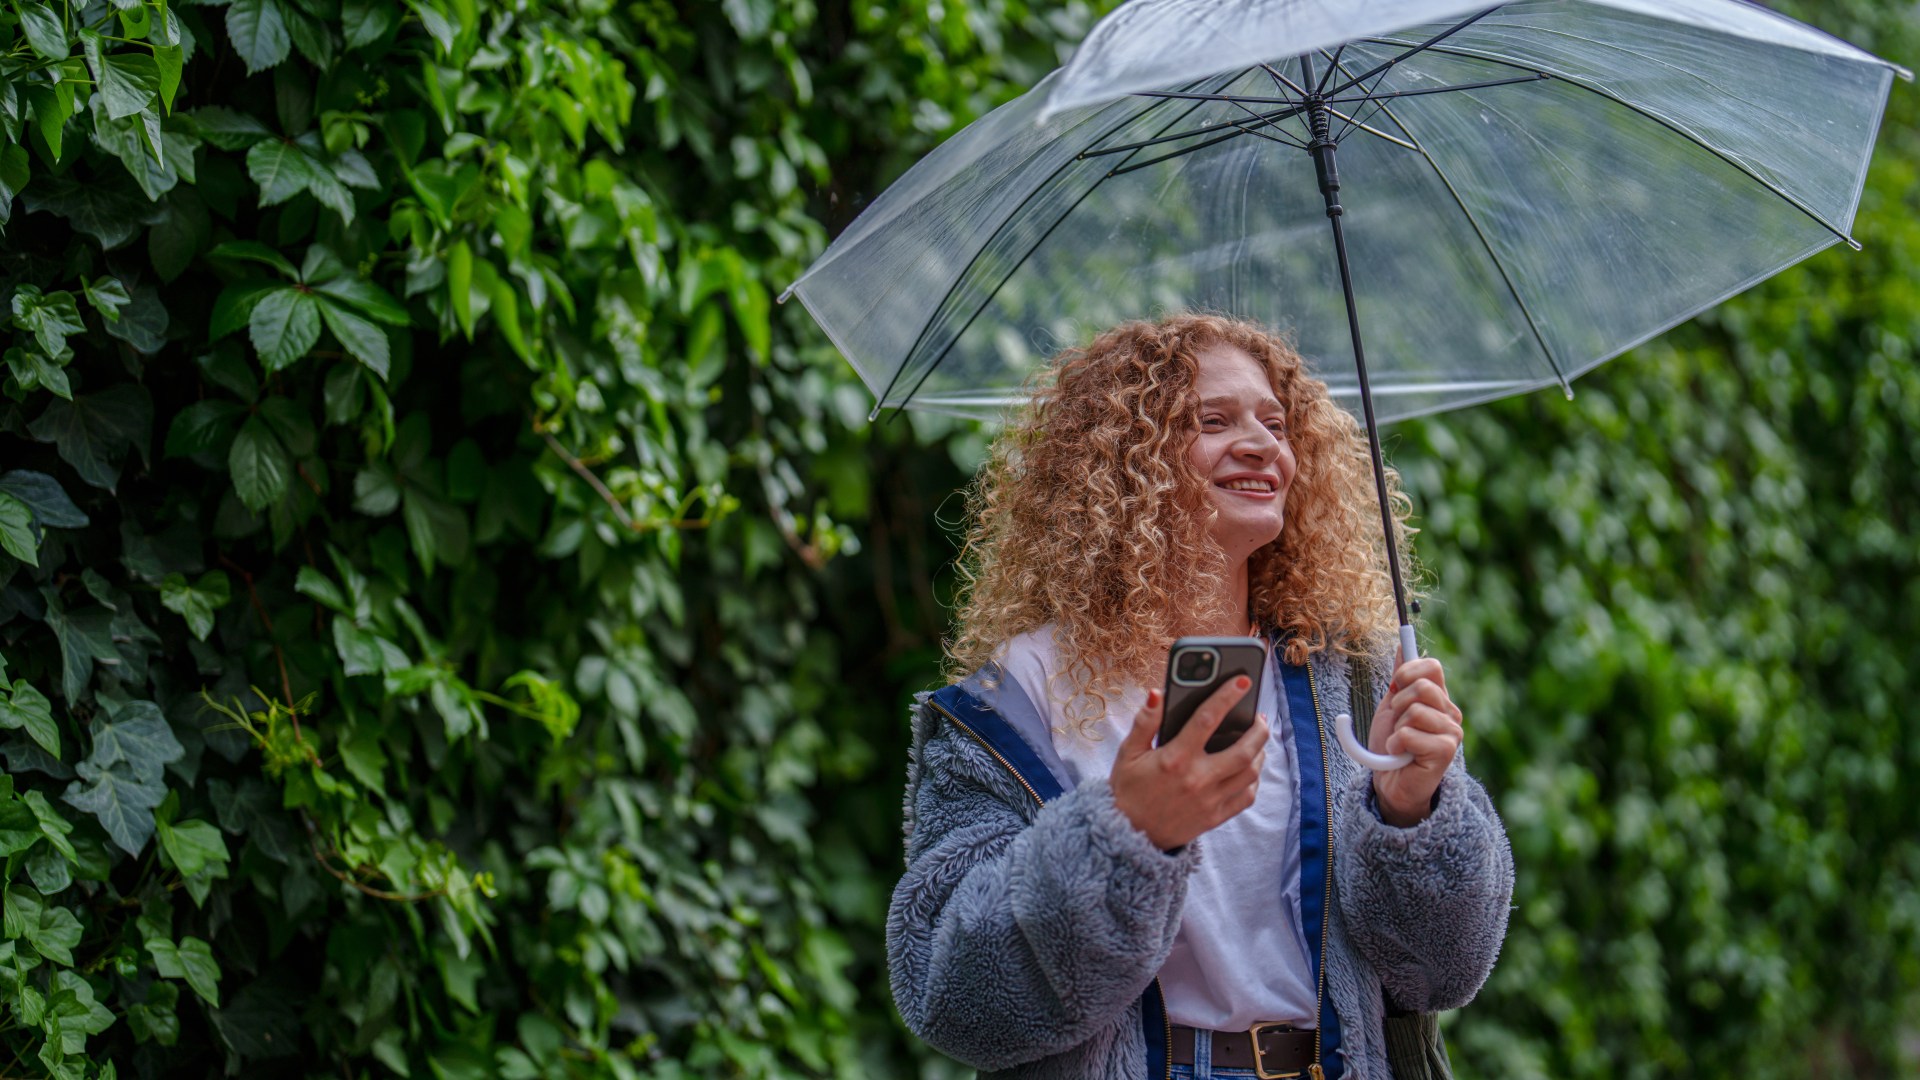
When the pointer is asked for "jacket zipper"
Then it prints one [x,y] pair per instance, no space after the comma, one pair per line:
[1166,1021]
[988,747]
[1316,1071]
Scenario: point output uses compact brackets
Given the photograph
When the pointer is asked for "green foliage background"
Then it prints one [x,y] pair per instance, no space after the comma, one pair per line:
[455,625]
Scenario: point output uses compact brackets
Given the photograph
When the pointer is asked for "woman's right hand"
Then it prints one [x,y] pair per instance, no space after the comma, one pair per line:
[1173,793]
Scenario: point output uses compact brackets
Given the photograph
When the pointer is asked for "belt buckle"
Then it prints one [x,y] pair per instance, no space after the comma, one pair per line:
[1259,1063]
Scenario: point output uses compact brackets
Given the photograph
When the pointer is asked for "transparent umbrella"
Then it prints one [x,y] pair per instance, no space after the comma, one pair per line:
[1503,197]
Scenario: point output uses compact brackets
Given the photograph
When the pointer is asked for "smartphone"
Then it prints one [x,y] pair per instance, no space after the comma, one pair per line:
[1196,667]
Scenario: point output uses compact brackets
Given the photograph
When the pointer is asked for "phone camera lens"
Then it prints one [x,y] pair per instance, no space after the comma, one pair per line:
[1195,667]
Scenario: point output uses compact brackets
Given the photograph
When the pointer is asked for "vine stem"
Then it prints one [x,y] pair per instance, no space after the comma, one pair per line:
[313,838]
[280,657]
[580,469]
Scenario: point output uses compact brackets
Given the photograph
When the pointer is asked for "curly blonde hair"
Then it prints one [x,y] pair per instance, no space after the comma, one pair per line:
[1089,515]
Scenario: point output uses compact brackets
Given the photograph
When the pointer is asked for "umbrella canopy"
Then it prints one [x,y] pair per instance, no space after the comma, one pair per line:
[1528,190]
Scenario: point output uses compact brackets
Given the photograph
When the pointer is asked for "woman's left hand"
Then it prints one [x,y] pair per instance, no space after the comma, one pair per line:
[1416,717]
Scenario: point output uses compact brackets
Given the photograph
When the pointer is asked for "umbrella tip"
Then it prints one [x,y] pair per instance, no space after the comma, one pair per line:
[875,414]
[1852,243]
[1567,389]
[786,293]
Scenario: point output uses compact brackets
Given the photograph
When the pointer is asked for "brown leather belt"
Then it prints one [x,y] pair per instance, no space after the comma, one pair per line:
[1282,1049]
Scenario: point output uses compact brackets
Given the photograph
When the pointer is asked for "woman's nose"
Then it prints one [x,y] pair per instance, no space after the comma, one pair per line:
[1260,444]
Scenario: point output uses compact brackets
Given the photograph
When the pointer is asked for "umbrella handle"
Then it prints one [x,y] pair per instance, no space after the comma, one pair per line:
[1343,724]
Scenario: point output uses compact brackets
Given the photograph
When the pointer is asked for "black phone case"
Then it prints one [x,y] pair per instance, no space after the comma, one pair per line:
[1238,656]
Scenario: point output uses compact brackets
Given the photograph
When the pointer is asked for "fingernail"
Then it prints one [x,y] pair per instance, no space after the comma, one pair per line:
[1153,698]
[1242,682]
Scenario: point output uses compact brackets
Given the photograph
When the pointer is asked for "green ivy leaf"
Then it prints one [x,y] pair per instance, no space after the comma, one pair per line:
[376,491]
[284,326]
[284,169]
[203,427]
[122,802]
[312,38]
[52,108]
[367,21]
[254,251]
[43,30]
[233,308]
[16,530]
[176,238]
[367,298]
[154,1019]
[85,636]
[138,737]
[28,708]
[252,809]
[363,340]
[52,826]
[112,209]
[196,602]
[128,83]
[436,528]
[260,465]
[168,61]
[227,129]
[15,171]
[460,285]
[191,960]
[51,505]
[143,324]
[107,295]
[49,871]
[33,370]
[192,845]
[94,431]
[18,831]
[51,317]
[258,30]
[49,928]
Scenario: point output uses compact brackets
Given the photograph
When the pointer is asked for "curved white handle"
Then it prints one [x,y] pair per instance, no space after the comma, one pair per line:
[1343,729]
[1343,724]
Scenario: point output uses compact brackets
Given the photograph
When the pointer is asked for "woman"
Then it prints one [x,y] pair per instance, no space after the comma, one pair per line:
[1080,903]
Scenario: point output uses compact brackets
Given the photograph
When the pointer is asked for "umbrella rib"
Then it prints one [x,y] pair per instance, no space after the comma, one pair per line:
[1374,131]
[1506,279]
[1535,77]
[1736,163]
[1412,52]
[1334,56]
[1185,150]
[880,402]
[1185,96]
[1367,93]
[1241,125]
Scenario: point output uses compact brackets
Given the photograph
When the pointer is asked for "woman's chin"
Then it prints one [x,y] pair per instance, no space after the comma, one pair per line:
[1247,532]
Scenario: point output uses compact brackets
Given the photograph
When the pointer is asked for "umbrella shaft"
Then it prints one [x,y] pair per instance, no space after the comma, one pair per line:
[1322,148]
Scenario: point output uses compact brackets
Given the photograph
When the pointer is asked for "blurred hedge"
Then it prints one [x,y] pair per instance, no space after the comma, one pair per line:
[405,379]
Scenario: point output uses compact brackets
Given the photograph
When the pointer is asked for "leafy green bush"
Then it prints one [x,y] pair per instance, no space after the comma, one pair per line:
[410,534]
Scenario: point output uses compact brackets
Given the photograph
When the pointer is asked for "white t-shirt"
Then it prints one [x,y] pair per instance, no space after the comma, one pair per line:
[1241,956]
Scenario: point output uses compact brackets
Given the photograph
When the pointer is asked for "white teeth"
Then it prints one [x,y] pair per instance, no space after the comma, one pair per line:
[1248,485]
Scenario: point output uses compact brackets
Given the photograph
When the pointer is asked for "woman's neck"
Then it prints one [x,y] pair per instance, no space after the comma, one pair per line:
[1229,605]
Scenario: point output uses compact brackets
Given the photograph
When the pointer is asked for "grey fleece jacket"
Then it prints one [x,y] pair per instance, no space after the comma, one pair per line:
[1022,937]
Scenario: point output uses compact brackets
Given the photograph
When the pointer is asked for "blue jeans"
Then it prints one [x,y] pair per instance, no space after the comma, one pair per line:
[1202,1068]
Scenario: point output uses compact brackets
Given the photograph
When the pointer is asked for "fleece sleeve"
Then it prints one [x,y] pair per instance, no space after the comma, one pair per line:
[1009,940]
[1427,905]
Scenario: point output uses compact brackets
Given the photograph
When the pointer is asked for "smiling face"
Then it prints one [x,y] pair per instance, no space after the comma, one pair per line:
[1241,448]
